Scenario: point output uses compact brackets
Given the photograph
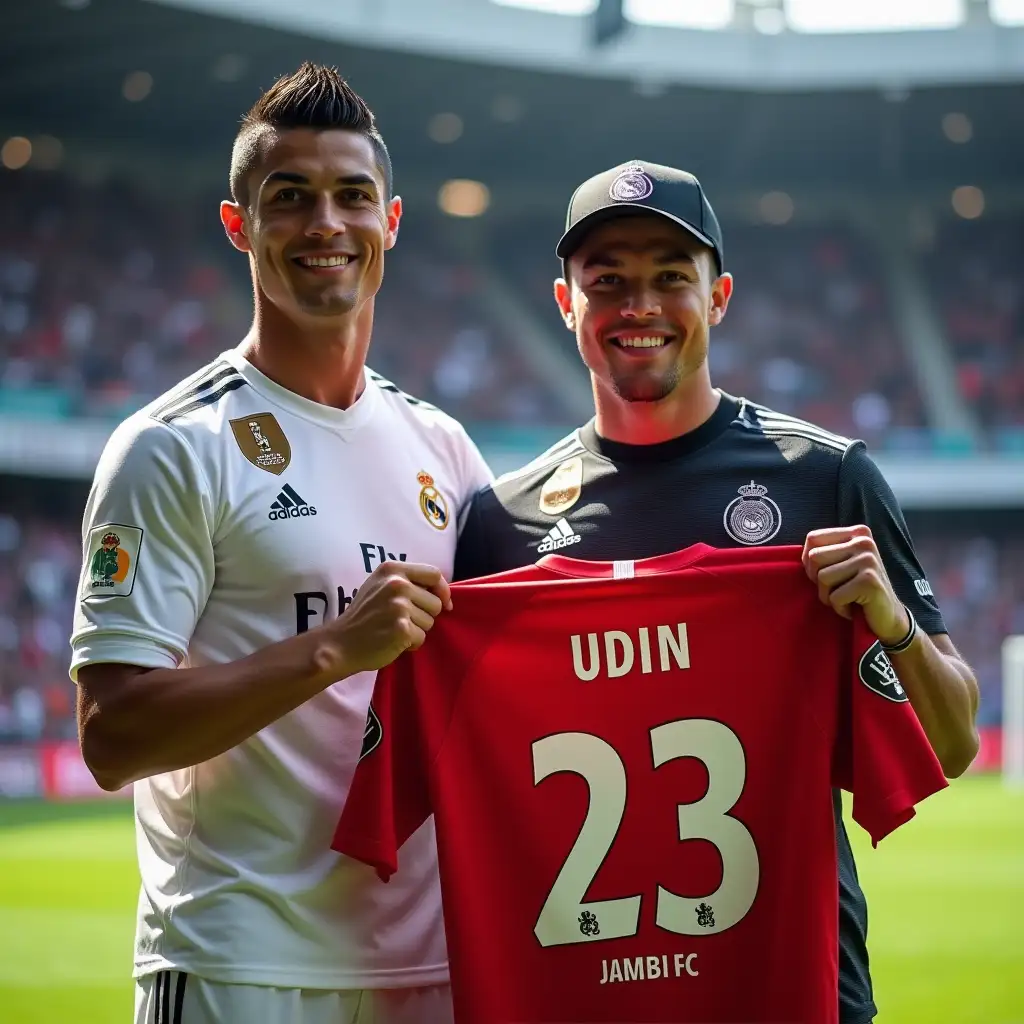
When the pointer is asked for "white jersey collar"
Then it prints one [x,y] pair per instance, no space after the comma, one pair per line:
[339,420]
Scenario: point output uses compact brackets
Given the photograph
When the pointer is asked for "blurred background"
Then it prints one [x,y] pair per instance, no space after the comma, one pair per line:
[867,163]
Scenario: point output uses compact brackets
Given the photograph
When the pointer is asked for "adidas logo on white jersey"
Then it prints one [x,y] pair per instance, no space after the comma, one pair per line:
[560,535]
[289,505]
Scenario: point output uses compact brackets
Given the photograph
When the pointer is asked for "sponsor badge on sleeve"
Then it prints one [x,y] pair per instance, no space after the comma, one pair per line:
[877,674]
[111,560]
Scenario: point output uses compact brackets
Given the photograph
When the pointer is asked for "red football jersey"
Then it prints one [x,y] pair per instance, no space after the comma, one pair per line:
[630,767]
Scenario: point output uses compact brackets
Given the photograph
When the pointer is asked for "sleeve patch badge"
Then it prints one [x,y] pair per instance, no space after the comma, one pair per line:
[111,560]
[877,674]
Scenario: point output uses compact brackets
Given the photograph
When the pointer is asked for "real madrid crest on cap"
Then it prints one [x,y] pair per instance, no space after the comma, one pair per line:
[752,518]
[562,489]
[432,501]
[632,185]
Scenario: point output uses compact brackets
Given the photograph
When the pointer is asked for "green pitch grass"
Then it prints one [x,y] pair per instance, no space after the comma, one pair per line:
[946,894]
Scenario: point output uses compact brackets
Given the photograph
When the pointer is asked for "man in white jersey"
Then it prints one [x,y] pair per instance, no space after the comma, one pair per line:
[230,524]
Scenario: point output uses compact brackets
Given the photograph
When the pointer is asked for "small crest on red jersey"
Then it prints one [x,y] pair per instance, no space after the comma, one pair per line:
[373,733]
[877,673]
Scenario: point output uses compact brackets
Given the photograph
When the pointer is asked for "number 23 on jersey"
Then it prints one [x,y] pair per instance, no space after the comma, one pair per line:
[566,916]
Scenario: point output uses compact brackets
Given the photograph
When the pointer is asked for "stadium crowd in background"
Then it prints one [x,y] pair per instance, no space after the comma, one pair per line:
[135,295]
[975,274]
[106,300]
[809,333]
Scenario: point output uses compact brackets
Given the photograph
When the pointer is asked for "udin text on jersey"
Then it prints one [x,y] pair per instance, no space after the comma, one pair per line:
[621,651]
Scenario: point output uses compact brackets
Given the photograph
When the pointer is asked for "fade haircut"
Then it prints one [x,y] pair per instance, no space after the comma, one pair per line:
[314,96]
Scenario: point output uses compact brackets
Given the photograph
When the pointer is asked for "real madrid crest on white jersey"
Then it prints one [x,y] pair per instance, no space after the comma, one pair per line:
[752,518]
[432,501]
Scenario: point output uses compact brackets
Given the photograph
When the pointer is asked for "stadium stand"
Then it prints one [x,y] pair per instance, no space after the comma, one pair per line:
[433,340]
[37,590]
[979,583]
[809,333]
[975,269]
[107,299]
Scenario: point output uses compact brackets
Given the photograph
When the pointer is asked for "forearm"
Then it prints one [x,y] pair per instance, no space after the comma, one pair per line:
[165,719]
[944,693]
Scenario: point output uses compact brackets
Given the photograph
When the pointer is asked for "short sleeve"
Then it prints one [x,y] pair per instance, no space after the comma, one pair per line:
[883,757]
[475,471]
[147,549]
[389,797]
[866,497]
[472,552]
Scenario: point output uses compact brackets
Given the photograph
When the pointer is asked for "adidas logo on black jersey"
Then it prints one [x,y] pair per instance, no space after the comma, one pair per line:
[290,506]
[561,535]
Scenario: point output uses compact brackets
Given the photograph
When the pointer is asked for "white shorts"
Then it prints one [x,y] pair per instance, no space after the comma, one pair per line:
[171,997]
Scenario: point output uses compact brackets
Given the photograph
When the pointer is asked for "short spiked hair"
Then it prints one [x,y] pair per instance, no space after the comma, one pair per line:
[314,96]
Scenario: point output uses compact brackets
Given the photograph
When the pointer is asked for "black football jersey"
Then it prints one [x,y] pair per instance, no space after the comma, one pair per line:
[747,476]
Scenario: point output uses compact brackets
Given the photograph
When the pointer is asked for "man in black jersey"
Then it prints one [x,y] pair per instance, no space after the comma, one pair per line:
[669,461]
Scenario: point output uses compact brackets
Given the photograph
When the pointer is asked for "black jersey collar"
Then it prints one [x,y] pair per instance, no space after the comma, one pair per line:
[685,444]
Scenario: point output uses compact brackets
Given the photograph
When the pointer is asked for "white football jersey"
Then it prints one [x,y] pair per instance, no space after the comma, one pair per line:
[229,514]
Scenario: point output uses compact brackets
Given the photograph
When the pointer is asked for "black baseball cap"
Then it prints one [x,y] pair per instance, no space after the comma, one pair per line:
[641,187]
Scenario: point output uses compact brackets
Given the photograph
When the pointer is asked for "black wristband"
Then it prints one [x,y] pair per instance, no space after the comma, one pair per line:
[901,645]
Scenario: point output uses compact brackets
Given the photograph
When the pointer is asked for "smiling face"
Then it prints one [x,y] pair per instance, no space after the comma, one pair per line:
[641,295]
[319,222]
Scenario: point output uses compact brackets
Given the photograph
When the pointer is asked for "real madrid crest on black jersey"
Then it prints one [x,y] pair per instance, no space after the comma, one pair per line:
[752,518]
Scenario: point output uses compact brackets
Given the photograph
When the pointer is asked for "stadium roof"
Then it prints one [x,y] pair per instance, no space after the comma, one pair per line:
[66,69]
[796,15]
[755,45]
